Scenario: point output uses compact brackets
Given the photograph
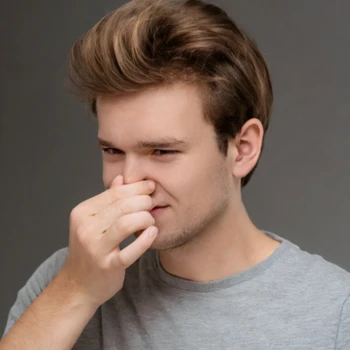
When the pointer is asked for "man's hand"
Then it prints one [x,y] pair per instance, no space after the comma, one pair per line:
[95,265]
[94,269]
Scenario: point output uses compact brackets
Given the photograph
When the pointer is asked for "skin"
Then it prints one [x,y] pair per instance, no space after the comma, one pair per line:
[205,232]
[94,269]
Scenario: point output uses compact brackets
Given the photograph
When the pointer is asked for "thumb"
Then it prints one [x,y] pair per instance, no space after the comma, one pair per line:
[118,181]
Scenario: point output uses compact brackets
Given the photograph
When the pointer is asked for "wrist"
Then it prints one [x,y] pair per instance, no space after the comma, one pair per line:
[70,291]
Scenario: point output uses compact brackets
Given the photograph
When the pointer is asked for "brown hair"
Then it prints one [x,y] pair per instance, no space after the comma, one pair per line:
[147,43]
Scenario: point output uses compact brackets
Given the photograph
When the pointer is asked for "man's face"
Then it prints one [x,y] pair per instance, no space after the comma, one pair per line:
[195,182]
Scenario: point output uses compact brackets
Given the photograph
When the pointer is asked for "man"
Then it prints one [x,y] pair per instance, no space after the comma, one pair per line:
[183,100]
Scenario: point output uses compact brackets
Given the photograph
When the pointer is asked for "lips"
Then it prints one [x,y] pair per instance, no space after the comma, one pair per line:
[158,209]
[160,205]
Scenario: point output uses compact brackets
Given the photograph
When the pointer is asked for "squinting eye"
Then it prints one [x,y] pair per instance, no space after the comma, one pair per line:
[115,151]
[108,151]
[166,152]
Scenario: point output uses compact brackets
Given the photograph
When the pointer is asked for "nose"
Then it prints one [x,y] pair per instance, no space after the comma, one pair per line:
[133,170]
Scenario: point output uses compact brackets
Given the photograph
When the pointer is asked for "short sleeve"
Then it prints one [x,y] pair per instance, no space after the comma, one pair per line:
[42,276]
[343,336]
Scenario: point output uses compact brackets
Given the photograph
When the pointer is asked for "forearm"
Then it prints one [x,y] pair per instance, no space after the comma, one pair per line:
[53,321]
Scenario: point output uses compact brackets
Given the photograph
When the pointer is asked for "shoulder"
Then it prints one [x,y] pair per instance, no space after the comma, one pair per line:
[312,271]
[316,270]
[47,270]
[318,288]
[41,277]
[309,282]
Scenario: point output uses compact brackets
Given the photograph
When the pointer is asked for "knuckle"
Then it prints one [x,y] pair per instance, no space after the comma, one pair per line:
[81,232]
[75,218]
[75,213]
[123,206]
[104,266]
[121,263]
[122,224]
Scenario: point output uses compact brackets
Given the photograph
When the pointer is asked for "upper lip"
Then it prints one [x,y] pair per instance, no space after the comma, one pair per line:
[160,206]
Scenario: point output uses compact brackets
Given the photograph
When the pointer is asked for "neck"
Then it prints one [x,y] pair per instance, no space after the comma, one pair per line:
[232,246]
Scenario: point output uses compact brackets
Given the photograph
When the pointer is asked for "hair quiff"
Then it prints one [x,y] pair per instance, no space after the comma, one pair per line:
[148,43]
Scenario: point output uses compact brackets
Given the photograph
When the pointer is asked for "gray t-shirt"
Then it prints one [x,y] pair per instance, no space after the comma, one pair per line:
[291,300]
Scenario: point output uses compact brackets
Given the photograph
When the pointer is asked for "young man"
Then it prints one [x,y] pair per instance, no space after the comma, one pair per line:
[183,100]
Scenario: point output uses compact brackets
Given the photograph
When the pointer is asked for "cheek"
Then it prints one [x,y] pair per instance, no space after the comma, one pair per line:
[109,172]
[210,181]
[175,183]
[191,182]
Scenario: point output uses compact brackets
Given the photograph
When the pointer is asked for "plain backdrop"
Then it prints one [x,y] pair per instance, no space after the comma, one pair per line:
[49,156]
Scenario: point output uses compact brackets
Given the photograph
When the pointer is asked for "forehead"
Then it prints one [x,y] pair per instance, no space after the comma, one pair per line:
[167,112]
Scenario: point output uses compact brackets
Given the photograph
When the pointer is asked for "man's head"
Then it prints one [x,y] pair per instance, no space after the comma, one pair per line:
[148,43]
[155,71]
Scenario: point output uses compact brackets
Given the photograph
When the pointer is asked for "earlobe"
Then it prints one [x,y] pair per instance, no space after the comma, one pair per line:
[248,145]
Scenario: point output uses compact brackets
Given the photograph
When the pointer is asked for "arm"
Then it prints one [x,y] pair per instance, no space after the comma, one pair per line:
[42,276]
[54,320]
[93,271]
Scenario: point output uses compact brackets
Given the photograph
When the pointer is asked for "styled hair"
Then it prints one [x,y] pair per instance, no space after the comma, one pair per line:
[149,43]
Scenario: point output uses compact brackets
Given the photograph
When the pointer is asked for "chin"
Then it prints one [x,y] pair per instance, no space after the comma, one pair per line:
[166,244]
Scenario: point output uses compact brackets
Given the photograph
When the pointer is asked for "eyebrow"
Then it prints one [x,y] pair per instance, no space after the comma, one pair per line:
[164,142]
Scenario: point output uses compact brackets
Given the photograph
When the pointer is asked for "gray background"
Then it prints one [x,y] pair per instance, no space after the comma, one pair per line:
[49,156]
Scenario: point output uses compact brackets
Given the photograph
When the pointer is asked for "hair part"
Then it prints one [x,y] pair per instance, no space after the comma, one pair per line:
[148,43]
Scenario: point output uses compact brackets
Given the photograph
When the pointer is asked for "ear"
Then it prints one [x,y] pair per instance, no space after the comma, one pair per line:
[246,148]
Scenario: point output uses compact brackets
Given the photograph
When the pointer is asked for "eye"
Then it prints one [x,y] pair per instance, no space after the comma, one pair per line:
[166,152]
[161,152]
[111,151]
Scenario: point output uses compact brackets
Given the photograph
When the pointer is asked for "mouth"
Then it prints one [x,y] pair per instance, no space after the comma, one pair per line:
[158,210]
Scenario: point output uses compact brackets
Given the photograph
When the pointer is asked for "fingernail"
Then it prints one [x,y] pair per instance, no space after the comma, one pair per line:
[152,231]
[151,185]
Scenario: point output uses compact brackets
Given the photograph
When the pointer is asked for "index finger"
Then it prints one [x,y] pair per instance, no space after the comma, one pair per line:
[117,191]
